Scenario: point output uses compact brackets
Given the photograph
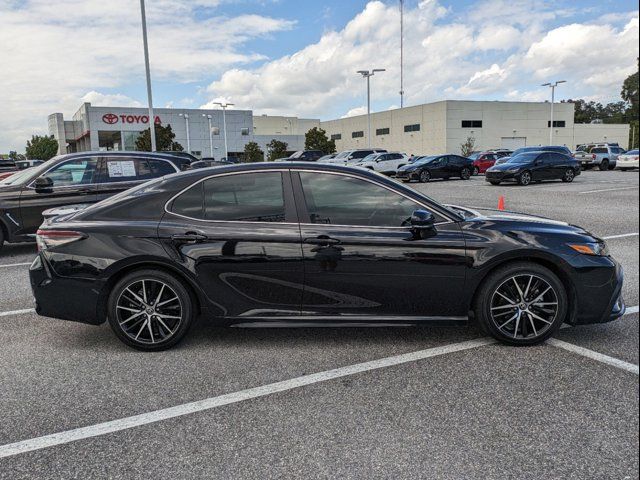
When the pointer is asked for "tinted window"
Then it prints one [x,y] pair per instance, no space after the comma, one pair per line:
[190,203]
[599,150]
[524,157]
[153,168]
[412,128]
[122,169]
[81,171]
[361,153]
[341,200]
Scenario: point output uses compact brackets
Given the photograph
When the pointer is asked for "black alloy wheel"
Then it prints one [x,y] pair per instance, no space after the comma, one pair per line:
[425,176]
[525,178]
[604,165]
[522,304]
[465,174]
[150,310]
[569,175]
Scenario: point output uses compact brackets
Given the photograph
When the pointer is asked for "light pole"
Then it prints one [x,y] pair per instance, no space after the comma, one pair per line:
[186,121]
[401,53]
[224,106]
[208,117]
[368,74]
[553,99]
[152,128]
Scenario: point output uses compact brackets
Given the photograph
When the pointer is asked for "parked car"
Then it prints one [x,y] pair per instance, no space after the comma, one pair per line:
[629,160]
[528,167]
[603,155]
[387,163]
[540,148]
[327,157]
[86,177]
[438,166]
[349,157]
[183,155]
[482,161]
[502,152]
[306,155]
[205,163]
[24,164]
[284,242]
[8,166]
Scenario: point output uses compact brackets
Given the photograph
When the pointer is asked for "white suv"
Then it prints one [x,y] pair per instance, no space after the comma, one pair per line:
[351,157]
[387,163]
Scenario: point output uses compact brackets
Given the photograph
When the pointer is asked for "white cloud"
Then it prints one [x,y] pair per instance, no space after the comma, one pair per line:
[110,100]
[354,112]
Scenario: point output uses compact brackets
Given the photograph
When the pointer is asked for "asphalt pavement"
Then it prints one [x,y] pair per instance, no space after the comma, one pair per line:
[484,412]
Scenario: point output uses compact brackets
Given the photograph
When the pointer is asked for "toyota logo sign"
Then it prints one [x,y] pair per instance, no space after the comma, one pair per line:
[110,118]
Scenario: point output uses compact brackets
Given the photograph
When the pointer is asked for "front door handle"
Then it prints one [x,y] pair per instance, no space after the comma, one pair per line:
[84,191]
[189,237]
[321,241]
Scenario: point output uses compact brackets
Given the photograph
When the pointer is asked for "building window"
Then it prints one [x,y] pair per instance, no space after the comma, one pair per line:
[471,123]
[382,131]
[359,134]
[109,140]
[557,123]
[412,128]
[336,136]
[244,131]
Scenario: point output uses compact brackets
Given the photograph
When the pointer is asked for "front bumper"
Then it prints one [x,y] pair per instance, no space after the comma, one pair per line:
[599,292]
[499,176]
[407,175]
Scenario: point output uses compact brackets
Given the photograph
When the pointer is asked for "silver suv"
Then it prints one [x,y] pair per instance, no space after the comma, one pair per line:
[603,155]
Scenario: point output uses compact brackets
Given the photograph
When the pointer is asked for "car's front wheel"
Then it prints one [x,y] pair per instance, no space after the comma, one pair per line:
[521,304]
[524,179]
[150,310]
[425,176]
[569,176]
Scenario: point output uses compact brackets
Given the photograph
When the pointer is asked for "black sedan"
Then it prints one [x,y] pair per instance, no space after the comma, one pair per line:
[86,177]
[271,243]
[528,167]
[439,166]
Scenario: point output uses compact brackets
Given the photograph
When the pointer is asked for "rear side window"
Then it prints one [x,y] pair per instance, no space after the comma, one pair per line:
[599,150]
[247,197]
[153,168]
[361,153]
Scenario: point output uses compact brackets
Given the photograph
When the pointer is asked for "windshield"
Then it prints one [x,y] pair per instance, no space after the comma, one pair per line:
[474,156]
[524,158]
[297,154]
[370,158]
[344,154]
[423,160]
[25,175]
[632,152]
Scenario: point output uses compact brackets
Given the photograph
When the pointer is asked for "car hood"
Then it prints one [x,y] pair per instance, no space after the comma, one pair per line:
[503,167]
[9,189]
[409,168]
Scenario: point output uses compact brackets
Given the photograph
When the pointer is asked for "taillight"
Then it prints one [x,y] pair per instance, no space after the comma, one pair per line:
[593,156]
[54,238]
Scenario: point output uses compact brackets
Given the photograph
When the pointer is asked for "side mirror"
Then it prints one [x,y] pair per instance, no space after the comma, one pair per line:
[421,219]
[43,184]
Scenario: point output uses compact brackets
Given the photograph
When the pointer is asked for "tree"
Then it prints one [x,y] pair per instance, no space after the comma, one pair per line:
[41,147]
[630,92]
[276,149]
[316,139]
[253,152]
[467,148]
[13,155]
[164,140]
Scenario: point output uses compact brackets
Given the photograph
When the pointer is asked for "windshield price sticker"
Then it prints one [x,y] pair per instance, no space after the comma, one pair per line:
[121,169]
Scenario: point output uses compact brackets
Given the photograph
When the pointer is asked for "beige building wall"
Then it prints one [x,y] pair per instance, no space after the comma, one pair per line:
[603,132]
[281,125]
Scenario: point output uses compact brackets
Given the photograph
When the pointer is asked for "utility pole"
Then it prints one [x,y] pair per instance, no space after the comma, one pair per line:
[368,74]
[553,99]
[224,106]
[186,121]
[401,53]
[208,117]
[152,129]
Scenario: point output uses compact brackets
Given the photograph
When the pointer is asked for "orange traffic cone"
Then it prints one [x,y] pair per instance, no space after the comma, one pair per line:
[501,203]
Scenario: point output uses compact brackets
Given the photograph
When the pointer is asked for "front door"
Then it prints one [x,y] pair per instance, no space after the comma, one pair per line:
[361,259]
[239,234]
[74,181]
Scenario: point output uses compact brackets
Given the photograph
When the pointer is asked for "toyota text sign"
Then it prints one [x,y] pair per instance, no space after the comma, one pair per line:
[112,118]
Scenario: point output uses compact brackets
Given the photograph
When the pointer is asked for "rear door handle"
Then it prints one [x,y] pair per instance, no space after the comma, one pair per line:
[189,237]
[321,241]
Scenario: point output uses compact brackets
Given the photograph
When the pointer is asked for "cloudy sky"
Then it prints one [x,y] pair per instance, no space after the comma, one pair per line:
[299,57]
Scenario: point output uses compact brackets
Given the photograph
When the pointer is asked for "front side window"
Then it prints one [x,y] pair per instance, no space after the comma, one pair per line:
[81,171]
[247,197]
[341,200]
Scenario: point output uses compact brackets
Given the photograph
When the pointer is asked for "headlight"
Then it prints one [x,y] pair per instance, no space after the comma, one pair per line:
[596,249]
[512,170]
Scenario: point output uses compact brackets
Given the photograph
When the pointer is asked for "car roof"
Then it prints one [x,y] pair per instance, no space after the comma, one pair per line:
[119,153]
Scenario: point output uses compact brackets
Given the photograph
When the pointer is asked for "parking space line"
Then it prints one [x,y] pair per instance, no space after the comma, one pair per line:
[230,398]
[600,357]
[17,312]
[607,190]
[15,265]
[624,235]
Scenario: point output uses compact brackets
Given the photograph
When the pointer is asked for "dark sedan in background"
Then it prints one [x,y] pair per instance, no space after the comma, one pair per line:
[534,166]
[424,169]
[86,177]
[292,242]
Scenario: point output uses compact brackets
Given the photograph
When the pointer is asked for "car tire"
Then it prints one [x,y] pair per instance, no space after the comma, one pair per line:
[525,322]
[625,169]
[425,176]
[525,178]
[1,237]
[569,176]
[493,182]
[476,171]
[465,173]
[142,314]
[604,165]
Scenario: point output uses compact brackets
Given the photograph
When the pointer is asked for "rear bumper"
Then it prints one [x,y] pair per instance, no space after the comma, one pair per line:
[64,298]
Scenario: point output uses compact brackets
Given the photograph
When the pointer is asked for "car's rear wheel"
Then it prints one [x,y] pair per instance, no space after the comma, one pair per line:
[465,173]
[150,310]
[524,178]
[604,165]
[521,304]
[425,176]
[1,238]
[569,175]
[476,171]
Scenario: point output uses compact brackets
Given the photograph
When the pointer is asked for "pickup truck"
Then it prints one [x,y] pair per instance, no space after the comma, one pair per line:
[604,156]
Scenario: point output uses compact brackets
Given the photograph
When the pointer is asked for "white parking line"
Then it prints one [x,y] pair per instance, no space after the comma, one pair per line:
[15,265]
[17,312]
[607,190]
[624,235]
[230,398]
[585,352]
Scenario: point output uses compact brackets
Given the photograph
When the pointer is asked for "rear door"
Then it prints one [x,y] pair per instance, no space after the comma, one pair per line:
[74,181]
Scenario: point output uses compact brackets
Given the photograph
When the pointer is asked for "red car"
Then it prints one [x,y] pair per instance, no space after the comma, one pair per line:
[482,161]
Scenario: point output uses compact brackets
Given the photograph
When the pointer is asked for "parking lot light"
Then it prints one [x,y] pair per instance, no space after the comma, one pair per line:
[186,121]
[152,129]
[553,98]
[224,106]
[208,117]
[368,74]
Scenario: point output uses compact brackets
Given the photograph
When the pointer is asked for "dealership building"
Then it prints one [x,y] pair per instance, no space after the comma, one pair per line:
[430,128]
